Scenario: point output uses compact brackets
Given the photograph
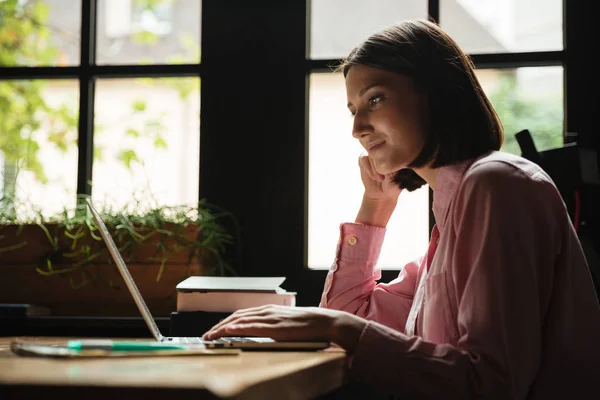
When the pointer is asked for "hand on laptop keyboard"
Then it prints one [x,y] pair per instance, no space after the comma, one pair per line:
[224,339]
[235,339]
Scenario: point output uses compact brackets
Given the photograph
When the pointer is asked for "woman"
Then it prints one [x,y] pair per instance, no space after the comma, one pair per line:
[502,305]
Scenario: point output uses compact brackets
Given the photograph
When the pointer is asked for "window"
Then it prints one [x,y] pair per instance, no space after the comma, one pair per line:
[147,32]
[147,144]
[527,98]
[38,150]
[257,128]
[336,26]
[40,33]
[498,26]
[117,111]
[525,80]
[519,56]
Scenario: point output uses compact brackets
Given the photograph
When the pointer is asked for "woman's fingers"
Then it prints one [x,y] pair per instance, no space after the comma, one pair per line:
[256,311]
[234,325]
[366,164]
[377,176]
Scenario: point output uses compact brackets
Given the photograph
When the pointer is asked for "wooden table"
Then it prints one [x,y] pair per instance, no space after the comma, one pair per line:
[249,375]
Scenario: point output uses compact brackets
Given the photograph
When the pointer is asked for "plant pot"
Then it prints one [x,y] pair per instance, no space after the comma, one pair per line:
[23,284]
[33,244]
[71,285]
[25,244]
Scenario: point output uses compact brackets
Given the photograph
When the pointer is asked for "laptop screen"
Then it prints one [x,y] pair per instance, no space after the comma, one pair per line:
[114,251]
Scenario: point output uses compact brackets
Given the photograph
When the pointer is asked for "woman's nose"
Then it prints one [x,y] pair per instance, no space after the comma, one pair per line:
[361,126]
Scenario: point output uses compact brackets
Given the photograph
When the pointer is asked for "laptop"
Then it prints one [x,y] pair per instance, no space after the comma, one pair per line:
[238,342]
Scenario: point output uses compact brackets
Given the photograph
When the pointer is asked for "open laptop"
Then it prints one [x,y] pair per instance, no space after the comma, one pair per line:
[247,343]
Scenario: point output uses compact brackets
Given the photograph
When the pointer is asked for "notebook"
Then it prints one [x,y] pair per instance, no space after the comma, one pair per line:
[246,343]
[227,294]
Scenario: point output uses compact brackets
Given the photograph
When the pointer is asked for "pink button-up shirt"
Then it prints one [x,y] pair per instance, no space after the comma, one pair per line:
[502,305]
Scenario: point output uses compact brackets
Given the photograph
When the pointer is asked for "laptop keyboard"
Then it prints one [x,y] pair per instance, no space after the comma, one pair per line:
[235,339]
[227,339]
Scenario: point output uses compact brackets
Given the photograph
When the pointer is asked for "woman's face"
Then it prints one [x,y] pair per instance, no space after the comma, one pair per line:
[390,116]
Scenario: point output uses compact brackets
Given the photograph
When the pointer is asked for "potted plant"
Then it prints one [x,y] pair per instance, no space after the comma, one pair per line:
[63,263]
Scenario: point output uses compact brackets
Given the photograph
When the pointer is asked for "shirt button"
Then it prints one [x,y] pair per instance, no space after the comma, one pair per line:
[352,240]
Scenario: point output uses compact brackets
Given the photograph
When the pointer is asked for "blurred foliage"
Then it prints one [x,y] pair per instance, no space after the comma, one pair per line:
[28,121]
[162,235]
[542,116]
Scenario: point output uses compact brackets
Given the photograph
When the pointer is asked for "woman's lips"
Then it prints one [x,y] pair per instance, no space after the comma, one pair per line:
[374,147]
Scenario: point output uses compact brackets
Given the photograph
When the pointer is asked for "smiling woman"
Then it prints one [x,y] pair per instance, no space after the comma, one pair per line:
[426,119]
[389,116]
[488,310]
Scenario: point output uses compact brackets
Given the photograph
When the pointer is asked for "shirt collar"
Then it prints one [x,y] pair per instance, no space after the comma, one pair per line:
[447,180]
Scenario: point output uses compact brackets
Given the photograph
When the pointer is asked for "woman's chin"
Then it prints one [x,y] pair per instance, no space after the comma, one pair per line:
[386,169]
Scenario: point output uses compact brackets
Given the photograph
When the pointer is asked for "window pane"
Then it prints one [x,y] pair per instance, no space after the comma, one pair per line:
[503,26]
[38,147]
[527,98]
[40,32]
[337,26]
[147,142]
[148,31]
[335,188]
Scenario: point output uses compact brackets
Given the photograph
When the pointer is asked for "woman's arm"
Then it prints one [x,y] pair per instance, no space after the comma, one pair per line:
[351,282]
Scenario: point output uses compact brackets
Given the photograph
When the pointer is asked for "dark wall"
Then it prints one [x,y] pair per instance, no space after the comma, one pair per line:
[253,132]
[582,114]
[582,74]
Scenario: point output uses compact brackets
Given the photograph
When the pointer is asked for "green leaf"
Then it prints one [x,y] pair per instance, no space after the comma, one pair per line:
[159,143]
[139,106]
[127,157]
[144,38]
[132,132]
[59,139]
[98,153]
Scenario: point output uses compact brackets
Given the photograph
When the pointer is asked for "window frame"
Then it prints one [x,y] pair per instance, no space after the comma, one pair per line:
[86,73]
[253,134]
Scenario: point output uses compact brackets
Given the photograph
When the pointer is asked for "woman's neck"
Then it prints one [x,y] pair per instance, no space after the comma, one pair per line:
[428,174]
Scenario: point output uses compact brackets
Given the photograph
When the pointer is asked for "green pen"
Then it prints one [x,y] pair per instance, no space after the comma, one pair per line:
[110,345]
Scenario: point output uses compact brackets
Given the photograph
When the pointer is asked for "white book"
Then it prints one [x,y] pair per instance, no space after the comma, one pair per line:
[229,294]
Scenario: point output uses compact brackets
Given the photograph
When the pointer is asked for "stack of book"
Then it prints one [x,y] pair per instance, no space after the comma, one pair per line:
[203,301]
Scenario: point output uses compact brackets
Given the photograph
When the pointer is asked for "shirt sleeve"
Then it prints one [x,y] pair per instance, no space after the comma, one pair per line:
[351,283]
[505,231]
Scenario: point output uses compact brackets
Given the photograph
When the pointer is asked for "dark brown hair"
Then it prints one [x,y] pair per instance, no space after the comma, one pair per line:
[463,124]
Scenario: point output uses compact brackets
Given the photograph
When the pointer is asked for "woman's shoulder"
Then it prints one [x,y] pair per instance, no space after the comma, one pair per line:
[510,185]
[499,168]
[506,176]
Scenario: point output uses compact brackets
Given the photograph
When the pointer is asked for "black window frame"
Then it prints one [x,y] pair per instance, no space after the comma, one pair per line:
[86,73]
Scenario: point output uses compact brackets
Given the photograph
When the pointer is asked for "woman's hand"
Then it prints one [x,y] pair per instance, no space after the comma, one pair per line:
[380,197]
[378,187]
[292,324]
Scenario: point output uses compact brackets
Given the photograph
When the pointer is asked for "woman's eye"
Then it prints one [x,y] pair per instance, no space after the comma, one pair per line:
[372,102]
[375,99]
